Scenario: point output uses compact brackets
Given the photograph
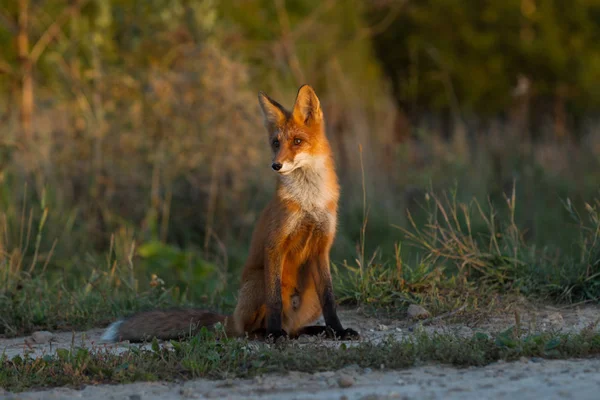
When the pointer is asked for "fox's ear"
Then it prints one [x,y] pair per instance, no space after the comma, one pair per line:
[273,112]
[307,108]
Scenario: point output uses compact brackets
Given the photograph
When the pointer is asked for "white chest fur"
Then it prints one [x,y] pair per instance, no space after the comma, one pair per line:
[308,187]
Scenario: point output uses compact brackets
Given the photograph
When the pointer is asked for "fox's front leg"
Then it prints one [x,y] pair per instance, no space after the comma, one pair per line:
[273,271]
[323,282]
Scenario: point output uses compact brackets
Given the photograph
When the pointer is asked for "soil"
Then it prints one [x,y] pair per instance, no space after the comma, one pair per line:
[526,379]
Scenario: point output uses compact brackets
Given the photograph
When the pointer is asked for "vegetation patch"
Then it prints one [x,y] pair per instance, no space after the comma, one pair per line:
[468,252]
[210,356]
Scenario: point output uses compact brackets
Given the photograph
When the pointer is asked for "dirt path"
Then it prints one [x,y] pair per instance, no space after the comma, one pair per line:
[573,379]
[529,378]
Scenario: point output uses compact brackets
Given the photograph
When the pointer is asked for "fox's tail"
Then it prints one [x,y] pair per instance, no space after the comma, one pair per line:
[162,324]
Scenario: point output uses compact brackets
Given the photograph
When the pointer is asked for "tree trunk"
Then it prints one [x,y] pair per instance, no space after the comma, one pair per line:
[26,70]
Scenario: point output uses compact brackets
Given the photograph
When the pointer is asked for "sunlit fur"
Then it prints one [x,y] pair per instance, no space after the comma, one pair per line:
[288,261]
[299,224]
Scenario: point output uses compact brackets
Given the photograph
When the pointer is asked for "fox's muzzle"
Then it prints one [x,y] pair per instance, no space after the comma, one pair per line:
[282,161]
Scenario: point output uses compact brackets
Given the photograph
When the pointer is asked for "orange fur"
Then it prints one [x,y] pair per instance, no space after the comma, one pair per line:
[286,281]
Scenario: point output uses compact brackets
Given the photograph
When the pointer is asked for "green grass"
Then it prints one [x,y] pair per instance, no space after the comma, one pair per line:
[204,356]
[468,252]
[86,290]
[459,255]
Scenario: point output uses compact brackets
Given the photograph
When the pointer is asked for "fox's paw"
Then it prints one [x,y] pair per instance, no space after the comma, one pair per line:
[348,334]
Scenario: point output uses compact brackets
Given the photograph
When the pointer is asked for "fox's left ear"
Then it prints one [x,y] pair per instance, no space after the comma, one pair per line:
[307,108]
[274,114]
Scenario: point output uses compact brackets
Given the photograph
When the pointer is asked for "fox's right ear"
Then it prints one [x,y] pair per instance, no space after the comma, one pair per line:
[274,114]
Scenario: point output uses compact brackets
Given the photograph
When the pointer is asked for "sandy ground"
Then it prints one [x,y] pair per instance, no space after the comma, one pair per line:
[574,379]
[527,379]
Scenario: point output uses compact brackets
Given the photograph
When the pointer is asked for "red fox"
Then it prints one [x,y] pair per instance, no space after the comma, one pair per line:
[286,281]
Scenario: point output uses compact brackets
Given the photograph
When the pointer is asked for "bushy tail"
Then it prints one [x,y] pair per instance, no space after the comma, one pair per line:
[162,324]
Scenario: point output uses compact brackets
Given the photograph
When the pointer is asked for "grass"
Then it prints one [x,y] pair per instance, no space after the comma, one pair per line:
[468,252]
[204,356]
[91,290]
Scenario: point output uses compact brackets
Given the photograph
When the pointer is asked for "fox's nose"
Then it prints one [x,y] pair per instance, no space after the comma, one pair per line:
[276,166]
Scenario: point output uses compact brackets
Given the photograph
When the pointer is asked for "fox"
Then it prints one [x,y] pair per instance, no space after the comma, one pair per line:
[286,282]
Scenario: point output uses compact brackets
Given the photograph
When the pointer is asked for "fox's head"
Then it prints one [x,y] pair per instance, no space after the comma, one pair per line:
[297,138]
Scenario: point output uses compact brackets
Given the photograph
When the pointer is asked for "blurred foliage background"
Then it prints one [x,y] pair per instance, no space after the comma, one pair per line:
[131,138]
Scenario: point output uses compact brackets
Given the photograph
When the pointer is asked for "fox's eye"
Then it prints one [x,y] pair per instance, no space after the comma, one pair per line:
[276,143]
[297,141]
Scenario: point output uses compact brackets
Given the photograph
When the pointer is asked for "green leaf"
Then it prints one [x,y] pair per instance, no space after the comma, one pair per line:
[155,345]
[63,354]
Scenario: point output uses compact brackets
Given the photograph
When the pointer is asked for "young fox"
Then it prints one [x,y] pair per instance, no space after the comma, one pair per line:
[286,281]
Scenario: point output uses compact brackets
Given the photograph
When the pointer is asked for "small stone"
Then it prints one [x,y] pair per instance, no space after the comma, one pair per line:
[41,337]
[417,312]
[345,381]
[135,397]
[382,327]
[554,321]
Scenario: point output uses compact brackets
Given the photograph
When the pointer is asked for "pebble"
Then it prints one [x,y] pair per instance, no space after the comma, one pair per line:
[417,312]
[553,321]
[345,381]
[42,337]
